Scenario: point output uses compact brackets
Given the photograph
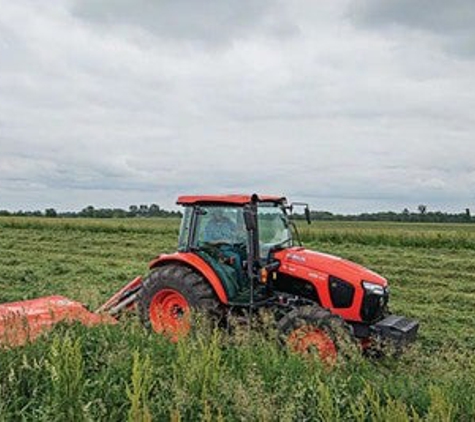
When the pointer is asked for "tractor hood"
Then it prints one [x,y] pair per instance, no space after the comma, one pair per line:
[318,266]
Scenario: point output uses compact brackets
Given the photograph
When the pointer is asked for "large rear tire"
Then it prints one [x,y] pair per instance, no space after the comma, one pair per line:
[169,295]
[315,330]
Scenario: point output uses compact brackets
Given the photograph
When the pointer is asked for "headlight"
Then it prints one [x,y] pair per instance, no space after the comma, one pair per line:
[373,288]
[375,300]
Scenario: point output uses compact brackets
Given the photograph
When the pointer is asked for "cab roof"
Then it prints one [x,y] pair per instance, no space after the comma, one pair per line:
[226,199]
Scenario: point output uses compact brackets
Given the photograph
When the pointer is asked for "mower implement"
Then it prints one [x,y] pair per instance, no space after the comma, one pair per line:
[238,254]
[21,322]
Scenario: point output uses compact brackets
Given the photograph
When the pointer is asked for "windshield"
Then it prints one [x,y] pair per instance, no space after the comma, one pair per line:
[274,228]
[220,225]
[217,225]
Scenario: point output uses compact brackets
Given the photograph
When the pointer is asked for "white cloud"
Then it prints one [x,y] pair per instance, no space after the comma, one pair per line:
[123,102]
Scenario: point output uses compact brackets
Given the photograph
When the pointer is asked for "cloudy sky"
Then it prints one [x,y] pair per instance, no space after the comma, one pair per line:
[350,105]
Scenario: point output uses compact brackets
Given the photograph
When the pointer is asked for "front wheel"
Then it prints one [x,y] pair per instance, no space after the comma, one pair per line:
[169,295]
[314,330]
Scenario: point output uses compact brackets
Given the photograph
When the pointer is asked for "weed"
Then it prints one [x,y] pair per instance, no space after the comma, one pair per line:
[66,368]
[139,390]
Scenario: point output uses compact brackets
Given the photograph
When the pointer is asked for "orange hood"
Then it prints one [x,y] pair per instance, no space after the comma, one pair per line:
[324,264]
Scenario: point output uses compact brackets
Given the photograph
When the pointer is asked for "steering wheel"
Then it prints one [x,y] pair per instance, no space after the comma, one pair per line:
[265,247]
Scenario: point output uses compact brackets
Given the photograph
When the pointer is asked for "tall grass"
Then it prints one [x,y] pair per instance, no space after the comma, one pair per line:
[66,368]
[117,373]
[139,390]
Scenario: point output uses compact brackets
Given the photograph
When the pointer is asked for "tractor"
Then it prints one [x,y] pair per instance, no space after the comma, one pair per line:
[237,255]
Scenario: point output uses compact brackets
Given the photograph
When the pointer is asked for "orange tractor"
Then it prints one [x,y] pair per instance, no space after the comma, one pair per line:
[238,254]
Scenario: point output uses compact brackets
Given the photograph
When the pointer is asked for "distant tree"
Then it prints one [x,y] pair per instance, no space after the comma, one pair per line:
[88,212]
[103,213]
[119,213]
[467,214]
[143,210]
[154,210]
[133,210]
[319,215]
[422,209]
[51,213]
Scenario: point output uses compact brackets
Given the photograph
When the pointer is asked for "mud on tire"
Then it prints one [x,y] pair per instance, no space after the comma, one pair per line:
[312,329]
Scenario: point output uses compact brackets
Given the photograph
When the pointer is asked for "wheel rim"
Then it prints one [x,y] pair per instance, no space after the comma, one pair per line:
[307,339]
[170,314]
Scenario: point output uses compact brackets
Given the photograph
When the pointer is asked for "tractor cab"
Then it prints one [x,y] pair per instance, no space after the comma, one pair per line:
[236,236]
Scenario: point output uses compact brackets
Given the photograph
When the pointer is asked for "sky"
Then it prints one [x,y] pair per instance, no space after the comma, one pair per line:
[352,106]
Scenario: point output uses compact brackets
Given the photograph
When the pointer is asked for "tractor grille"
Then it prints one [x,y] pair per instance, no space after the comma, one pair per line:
[374,306]
[341,292]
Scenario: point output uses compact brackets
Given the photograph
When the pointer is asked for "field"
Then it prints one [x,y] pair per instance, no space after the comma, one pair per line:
[121,372]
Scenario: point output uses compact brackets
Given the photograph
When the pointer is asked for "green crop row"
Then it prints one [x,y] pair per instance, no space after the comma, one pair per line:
[452,240]
[163,226]
[453,236]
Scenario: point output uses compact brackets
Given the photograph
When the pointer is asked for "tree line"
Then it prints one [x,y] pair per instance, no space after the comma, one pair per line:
[154,210]
[421,215]
[133,211]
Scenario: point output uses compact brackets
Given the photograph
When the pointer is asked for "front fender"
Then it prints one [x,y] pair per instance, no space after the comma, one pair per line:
[196,263]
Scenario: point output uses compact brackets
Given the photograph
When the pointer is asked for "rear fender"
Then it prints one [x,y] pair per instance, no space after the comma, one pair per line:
[196,263]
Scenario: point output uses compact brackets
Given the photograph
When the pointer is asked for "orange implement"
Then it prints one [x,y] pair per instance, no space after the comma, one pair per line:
[24,321]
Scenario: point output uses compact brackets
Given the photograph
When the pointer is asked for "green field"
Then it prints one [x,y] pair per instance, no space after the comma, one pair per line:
[120,372]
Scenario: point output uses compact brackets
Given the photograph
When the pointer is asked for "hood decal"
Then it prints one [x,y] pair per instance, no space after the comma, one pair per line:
[318,263]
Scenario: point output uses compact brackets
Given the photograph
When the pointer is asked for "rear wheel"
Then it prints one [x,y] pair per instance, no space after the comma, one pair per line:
[169,295]
[314,330]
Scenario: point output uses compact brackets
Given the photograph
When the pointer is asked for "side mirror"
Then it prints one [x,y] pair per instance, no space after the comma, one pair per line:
[306,209]
[307,215]
[250,218]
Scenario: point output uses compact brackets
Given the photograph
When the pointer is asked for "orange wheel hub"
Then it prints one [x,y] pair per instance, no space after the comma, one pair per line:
[305,339]
[170,314]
